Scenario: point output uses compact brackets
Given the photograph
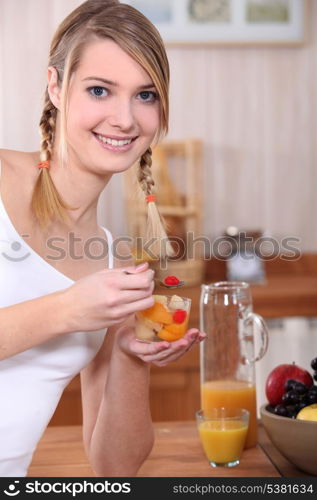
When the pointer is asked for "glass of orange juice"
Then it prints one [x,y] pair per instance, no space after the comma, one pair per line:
[238,393]
[223,433]
[167,319]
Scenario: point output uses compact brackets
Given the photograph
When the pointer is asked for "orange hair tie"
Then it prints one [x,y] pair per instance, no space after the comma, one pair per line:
[44,164]
[150,197]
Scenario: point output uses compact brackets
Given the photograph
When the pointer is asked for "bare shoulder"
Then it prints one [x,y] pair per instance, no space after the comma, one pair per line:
[18,161]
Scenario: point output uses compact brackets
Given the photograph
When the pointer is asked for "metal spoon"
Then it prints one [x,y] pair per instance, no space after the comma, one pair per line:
[161,283]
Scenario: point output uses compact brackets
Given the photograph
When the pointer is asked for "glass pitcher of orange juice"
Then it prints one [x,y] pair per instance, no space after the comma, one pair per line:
[227,358]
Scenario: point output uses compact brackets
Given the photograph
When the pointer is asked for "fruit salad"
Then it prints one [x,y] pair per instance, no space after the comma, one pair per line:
[167,319]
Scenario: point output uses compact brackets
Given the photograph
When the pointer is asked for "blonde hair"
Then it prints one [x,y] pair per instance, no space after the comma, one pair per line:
[137,36]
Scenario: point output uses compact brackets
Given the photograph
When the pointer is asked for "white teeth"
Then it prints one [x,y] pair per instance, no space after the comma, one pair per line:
[114,142]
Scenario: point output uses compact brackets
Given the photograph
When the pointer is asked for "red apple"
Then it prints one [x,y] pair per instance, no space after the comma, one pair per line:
[275,382]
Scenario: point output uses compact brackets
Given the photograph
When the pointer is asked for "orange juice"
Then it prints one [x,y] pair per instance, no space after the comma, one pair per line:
[223,441]
[235,394]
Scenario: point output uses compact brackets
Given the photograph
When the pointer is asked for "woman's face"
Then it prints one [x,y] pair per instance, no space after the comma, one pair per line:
[113,111]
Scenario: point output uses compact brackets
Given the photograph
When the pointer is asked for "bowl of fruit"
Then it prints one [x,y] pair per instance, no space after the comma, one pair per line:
[290,416]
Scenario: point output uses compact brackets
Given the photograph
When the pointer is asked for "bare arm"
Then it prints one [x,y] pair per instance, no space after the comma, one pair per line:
[117,426]
[32,322]
[118,431]
[97,301]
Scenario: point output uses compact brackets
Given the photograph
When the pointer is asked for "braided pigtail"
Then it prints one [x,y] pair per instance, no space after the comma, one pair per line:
[161,246]
[47,204]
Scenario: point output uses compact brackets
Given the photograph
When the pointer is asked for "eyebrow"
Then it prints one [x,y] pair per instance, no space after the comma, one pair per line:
[115,84]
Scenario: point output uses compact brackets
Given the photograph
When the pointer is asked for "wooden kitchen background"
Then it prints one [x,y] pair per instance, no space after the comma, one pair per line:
[289,292]
[254,111]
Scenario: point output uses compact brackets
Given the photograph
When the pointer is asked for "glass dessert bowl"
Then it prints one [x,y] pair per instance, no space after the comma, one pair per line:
[166,320]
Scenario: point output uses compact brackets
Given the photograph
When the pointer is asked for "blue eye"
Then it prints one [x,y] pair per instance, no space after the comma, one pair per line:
[98,92]
[148,96]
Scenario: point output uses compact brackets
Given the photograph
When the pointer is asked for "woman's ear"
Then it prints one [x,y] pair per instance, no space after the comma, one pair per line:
[53,88]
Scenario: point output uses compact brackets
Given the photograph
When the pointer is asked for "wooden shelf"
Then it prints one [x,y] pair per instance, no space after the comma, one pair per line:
[286,296]
[177,169]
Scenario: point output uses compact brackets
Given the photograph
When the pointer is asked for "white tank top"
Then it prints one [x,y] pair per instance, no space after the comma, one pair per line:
[32,382]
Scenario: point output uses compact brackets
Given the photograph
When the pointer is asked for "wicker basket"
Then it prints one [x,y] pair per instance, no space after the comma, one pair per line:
[192,271]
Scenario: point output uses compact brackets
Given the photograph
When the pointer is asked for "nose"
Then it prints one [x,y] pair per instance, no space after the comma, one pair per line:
[121,114]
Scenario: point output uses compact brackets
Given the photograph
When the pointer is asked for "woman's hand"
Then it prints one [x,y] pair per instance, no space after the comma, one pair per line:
[157,353]
[109,297]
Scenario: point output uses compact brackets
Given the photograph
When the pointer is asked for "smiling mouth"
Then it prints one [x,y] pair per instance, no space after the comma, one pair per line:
[114,142]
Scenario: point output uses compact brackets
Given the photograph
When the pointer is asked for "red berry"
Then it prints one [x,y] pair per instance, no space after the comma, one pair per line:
[179,316]
[171,280]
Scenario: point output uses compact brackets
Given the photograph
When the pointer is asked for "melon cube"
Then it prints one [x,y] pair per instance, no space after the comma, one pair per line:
[176,302]
[162,299]
[146,329]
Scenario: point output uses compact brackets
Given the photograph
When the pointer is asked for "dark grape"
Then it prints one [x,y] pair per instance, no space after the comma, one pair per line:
[311,398]
[270,408]
[300,388]
[291,411]
[304,398]
[313,364]
[299,406]
[289,384]
[315,376]
[285,397]
[290,397]
[281,410]
[313,390]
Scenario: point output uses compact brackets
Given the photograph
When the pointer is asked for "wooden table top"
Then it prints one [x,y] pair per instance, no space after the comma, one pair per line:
[177,452]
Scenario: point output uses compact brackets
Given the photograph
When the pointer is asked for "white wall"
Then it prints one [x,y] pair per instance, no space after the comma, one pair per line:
[255,110]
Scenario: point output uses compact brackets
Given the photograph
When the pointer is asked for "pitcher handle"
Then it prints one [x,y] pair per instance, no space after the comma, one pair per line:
[259,321]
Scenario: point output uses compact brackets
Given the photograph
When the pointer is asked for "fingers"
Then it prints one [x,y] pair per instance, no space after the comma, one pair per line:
[202,336]
[136,269]
[160,353]
[137,281]
[175,350]
[167,355]
[148,349]
[135,306]
[178,348]
[130,297]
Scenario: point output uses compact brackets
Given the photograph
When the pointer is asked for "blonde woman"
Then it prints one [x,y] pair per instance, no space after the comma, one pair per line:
[106,102]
